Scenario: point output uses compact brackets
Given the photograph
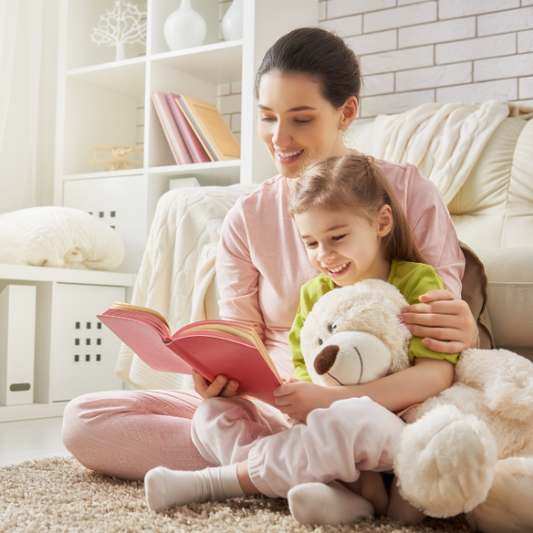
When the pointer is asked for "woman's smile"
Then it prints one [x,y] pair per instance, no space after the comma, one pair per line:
[287,157]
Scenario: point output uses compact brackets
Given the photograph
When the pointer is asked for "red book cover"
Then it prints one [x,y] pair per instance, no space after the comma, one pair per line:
[175,140]
[197,151]
[211,347]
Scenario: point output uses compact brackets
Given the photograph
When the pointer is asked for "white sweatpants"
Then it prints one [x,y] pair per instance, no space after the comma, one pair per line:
[335,443]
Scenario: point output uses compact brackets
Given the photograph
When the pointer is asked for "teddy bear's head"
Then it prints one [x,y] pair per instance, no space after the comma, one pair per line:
[353,335]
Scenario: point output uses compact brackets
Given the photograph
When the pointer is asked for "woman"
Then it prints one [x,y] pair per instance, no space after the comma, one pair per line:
[308,90]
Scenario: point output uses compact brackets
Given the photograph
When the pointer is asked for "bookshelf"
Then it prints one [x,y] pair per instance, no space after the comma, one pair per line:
[101,101]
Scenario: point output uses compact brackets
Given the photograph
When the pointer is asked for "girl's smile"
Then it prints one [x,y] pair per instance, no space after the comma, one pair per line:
[337,271]
[344,246]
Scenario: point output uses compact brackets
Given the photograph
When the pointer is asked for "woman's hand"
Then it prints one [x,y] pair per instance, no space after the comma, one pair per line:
[221,386]
[443,320]
[298,398]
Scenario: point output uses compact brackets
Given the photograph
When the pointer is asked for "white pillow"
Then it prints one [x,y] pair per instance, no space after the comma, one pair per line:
[60,237]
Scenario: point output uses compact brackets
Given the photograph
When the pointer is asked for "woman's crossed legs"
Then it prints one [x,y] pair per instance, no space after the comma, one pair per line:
[127,433]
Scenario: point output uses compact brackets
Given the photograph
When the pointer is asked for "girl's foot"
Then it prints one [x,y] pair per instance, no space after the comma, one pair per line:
[165,487]
[401,510]
[317,504]
[373,489]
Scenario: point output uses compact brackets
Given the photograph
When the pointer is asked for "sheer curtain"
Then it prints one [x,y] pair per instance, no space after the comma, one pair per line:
[28,75]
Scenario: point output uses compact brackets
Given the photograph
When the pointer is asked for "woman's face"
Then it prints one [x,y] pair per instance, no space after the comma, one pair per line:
[298,124]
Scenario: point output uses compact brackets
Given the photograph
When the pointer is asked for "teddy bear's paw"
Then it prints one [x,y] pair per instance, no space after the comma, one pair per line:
[508,505]
[445,462]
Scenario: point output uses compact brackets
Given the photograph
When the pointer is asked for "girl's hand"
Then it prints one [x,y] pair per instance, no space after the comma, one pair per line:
[298,398]
[443,320]
[221,386]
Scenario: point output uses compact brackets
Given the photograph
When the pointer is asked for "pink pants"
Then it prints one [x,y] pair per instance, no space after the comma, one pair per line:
[126,433]
[335,443]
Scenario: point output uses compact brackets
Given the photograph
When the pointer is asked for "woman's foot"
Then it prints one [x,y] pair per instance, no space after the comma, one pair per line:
[318,504]
[165,487]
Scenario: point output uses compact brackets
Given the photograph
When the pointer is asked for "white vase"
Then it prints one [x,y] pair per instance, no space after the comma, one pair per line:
[232,21]
[184,28]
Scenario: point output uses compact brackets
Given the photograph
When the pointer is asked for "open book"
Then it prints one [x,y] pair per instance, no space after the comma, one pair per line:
[210,347]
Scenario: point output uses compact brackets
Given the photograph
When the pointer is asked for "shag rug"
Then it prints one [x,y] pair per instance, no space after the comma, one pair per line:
[58,494]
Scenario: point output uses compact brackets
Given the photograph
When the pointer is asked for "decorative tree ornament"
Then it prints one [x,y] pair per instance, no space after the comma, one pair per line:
[124,25]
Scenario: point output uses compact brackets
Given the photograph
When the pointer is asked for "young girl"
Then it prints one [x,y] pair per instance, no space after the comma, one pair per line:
[353,228]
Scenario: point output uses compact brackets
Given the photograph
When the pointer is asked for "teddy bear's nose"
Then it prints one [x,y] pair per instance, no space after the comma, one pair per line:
[325,359]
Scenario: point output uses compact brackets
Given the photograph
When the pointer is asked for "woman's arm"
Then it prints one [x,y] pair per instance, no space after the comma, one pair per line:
[443,320]
[237,280]
[428,377]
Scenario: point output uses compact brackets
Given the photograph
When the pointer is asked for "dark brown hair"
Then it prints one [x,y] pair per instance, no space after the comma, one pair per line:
[319,54]
[354,183]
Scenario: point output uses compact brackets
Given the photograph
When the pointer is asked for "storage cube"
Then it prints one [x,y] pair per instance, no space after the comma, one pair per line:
[83,351]
[17,344]
[120,202]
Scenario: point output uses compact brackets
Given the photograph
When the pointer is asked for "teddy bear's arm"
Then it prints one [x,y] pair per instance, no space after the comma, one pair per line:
[504,378]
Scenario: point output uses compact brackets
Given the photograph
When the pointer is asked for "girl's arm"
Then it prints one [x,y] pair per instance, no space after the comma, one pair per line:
[428,377]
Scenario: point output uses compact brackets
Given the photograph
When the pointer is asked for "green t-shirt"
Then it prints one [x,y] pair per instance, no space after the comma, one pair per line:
[411,279]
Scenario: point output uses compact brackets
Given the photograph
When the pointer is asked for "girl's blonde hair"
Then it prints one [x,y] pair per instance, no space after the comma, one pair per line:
[354,183]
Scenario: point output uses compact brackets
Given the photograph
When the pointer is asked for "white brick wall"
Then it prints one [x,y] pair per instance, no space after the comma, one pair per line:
[525,89]
[525,41]
[417,51]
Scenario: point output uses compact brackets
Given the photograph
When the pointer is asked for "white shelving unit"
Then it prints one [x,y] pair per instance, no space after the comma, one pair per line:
[105,102]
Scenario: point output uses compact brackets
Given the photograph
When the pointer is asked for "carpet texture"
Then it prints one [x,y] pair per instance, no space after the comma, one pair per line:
[60,495]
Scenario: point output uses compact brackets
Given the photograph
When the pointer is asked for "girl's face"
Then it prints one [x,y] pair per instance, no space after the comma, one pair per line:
[298,124]
[344,246]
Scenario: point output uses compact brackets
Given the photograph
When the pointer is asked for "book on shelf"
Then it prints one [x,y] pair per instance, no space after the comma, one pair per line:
[197,151]
[211,347]
[175,140]
[211,128]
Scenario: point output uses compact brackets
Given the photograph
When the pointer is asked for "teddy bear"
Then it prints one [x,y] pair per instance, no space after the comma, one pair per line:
[467,450]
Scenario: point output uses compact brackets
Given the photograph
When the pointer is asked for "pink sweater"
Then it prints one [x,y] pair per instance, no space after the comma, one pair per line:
[262,262]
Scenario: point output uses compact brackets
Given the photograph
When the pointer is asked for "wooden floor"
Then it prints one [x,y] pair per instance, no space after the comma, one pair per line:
[31,439]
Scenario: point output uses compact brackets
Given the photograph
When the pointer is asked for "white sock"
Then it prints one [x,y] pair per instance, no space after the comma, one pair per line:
[320,504]
[166,487]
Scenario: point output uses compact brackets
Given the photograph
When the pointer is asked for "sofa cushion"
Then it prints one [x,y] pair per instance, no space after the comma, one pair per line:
[493,208]
[510,295]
